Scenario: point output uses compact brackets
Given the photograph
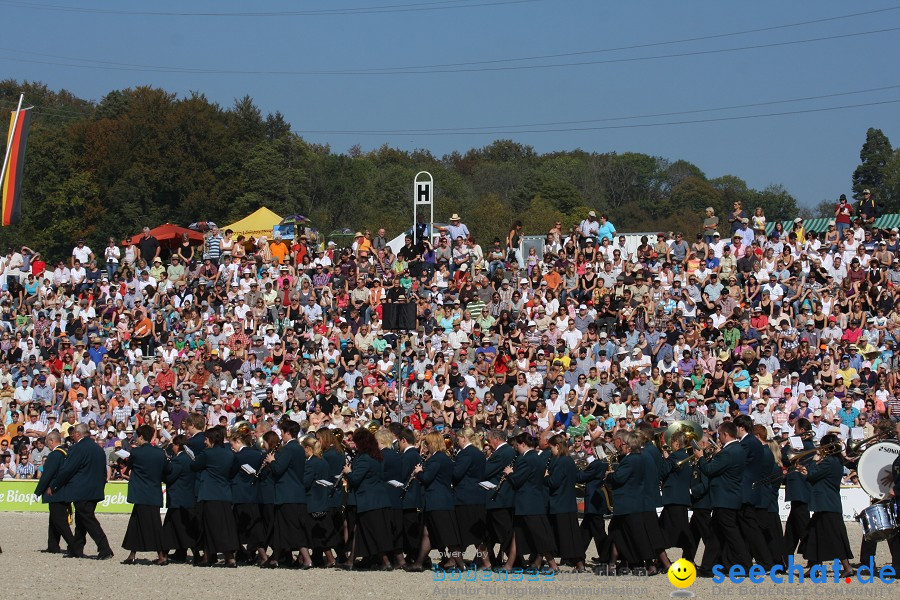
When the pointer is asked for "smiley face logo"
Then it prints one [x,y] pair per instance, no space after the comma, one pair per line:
[682,573]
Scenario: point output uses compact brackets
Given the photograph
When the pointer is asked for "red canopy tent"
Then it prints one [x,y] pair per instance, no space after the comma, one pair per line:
[170,235]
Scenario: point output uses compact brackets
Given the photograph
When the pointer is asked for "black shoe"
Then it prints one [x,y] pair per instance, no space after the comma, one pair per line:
[51,551]
[105,555]
[704,573]
[128,561]
[72,554]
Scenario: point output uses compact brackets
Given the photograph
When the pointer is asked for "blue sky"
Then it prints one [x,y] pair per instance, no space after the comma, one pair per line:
[813,154]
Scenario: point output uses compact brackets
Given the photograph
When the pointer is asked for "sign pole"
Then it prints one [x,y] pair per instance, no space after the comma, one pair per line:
[423,195]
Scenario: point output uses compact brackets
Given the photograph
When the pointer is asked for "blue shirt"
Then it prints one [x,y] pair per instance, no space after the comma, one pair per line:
[607,230]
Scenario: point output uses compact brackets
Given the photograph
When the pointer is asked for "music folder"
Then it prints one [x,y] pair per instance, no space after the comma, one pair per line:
[394,483]
[487,485]
[123,454]
[248,469]
[324,482]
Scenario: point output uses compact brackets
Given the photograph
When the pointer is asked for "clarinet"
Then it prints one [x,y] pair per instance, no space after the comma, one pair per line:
[408,483]
[503,479]
[339,482]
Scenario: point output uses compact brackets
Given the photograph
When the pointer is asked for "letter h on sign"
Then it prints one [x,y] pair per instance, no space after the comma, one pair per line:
[423,192]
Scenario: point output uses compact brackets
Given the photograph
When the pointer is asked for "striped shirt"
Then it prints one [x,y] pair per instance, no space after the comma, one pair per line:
[214,247]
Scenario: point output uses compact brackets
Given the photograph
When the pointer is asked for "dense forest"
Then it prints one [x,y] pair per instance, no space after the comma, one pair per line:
[145,156]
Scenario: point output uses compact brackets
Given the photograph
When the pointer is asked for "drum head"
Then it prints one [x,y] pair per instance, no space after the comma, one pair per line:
[874,468]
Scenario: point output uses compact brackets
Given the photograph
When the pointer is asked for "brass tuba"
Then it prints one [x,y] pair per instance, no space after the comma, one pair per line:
[240,428]
[373,426]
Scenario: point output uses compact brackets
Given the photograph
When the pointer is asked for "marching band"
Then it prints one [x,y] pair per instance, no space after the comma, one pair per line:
[385,498]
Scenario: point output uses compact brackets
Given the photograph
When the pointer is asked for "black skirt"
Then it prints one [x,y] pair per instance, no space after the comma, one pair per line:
[145,531]
[499,527]
[470,520]
[676,526]
[653,532]
[442,529]
[322,530]
[219,528]
[250,527]
[373,533]
[534,535]
[181,529]
[411,530]
[629,535]
[395,521]
[569,537]
[267,514]
[826,539]
[291,528]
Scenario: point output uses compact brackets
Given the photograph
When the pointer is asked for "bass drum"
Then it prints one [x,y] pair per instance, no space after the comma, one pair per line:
[874,468]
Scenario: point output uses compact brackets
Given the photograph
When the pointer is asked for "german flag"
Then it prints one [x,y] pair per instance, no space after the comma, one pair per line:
[11,184]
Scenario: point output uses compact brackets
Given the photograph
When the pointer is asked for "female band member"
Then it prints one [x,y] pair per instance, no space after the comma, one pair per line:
[245,495]
[214,496]
[318,501]
[291,520]
[181,529]
[676,496]
[365,476]
[147,464]
[334,455]
[560,478]
[826,538]
[271,443]
[468,495]
[436,475]
[393,472]
[629,536]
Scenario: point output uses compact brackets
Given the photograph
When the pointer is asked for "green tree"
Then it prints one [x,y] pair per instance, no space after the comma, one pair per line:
[870,174]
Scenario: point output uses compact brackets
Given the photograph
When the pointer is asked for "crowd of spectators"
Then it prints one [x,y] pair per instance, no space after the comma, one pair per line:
[584,337]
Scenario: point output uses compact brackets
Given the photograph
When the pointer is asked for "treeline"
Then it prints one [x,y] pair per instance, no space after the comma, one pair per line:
[144,156]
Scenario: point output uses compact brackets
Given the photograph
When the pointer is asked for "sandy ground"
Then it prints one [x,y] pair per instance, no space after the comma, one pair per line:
[22,535]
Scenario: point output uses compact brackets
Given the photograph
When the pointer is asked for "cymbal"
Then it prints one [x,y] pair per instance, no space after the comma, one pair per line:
[691,429]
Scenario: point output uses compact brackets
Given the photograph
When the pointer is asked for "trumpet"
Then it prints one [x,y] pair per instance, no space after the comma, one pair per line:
[856,447]
[687,459]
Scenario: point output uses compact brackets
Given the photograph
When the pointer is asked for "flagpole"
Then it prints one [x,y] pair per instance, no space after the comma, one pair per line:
[10,137]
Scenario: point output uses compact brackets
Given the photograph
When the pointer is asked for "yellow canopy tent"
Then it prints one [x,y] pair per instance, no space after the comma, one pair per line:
[256,224]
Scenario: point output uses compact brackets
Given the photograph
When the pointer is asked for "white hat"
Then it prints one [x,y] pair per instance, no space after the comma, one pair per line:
[592,214]
[464,267]
[454,217]
[523,280]
[582,307]
[798,220]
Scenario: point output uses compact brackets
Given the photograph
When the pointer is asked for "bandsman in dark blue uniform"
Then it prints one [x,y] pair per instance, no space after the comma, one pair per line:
[411,522]
[701,522]
[531,527]
[441,532]
[291,518]
[596,501]
[725,471]
[560,478]
[82,481]
[333,454]
[468,495]
[797,490]
[245,496]
[630,541]
[365,476]
[755,469]
[322,535]
[767,512]
[213,468]
[826,538]
[499,501]
[146,466]
[181,527]
[59,510]
[393,472]
[676,496]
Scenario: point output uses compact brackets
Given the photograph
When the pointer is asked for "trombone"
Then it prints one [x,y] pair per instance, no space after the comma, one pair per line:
[857,447]
[796,458]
